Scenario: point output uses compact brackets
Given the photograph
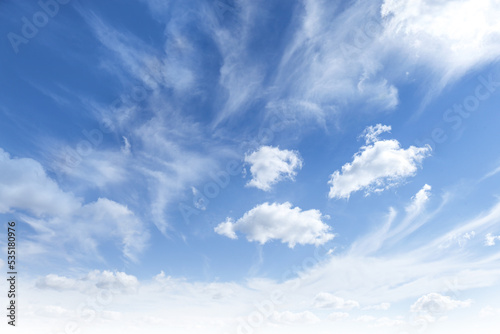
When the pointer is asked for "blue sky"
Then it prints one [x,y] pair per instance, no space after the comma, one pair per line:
[191,158]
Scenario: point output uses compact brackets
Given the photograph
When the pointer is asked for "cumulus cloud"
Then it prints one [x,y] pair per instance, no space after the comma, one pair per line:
[372,132]
[277,221]
[489,239]
[327,300]
[379,165]
[113,281]
[269,165]
[26,187]
[434,303]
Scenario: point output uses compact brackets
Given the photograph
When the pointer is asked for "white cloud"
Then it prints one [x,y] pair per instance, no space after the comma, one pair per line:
[54,311]
[25,186]
[419,200]
[392,231]
[327,300]
[111,315]
[461,240]
[340,56]
[371,133]
[115,282]
[376,167]
[227,229]
[267,221]
[269,165]
[451,37]
[334,316]
[489,311]
[57,282]
[315,67]
[435,303]
[365,318]
[378,307]
[126,146]
[288,317]
[380,322]
[489,239]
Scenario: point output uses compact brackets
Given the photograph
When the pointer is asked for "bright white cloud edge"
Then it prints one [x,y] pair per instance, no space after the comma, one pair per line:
[379,165]
[269,165]
[276,221]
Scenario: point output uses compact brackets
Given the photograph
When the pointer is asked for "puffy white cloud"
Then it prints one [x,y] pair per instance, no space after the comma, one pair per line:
[327,300]
[489,239]
[24,185]
[114,281]
[270,165]
[435,303]
[379,165]
[227,229]
[91,224]
[267,221]
[372,132]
